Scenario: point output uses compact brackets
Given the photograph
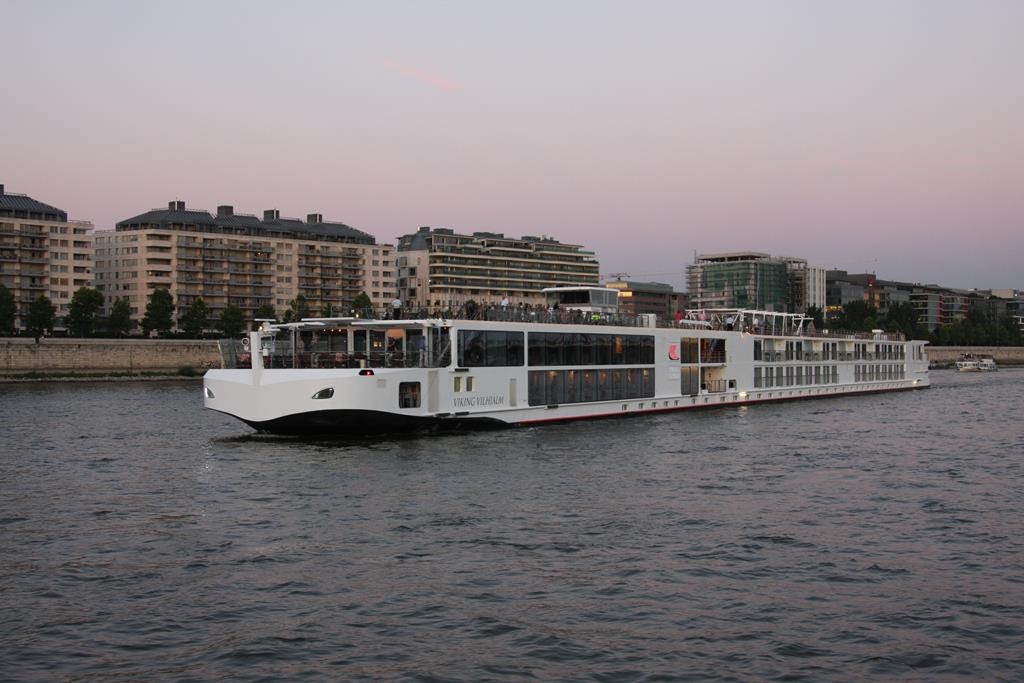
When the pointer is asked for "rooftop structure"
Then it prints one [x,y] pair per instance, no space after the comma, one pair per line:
[177,217]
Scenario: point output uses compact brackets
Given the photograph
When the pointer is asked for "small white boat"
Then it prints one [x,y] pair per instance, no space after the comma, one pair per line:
[971,363]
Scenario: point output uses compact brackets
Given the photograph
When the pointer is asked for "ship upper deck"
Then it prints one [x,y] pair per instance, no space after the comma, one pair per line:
[377,339]
[765,323]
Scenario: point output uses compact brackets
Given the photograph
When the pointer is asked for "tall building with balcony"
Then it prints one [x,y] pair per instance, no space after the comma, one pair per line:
[440,268]
[937,306]
[231,258]
[42,253]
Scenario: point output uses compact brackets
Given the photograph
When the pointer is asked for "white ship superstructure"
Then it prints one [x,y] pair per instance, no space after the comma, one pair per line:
[514,366]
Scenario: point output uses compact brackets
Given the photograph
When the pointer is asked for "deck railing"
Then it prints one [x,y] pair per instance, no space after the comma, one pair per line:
[540,314]
[236,354]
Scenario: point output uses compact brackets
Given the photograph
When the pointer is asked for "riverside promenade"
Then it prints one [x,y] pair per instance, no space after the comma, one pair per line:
[23,357]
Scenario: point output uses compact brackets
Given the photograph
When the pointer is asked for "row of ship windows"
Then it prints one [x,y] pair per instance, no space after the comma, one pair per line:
[505,349]
[554,387]
[477,348]
[871,373]
[795,376]
[829,351]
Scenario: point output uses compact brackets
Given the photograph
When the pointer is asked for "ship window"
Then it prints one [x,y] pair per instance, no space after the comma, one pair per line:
[573,379]
[409,394]
[632,383]
[490,349]
[632,346]
[758,355]
[587,352]
[554,388]
[471,348]
[571,349]
[537,349]
[496,351]
[457,386]
[324,393]
[604,349]
[536,388]
[589,391]
[688,350]
[470,383]
[604,385]
[690,381]
[554,355]
[712,350]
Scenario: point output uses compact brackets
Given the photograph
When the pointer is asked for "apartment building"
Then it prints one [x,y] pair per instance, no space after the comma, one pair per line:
[935,305]
[843,288]
[439,268]
[42,253]
[240,259]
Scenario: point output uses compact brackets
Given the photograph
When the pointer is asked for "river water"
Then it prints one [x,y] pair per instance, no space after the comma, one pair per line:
[143,538]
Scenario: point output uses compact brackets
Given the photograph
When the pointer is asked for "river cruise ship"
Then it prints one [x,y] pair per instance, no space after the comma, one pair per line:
[576,359]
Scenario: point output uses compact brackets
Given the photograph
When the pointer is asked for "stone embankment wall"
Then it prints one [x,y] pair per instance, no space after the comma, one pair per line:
[1003,355]
[115,356]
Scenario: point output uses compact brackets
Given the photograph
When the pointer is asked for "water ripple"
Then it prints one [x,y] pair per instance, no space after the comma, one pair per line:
[854,538]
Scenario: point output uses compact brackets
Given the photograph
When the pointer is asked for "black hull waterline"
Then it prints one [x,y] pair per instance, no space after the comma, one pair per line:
[342,423]
[360,422]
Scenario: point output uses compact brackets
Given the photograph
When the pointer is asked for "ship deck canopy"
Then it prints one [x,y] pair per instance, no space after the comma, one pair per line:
[754,321]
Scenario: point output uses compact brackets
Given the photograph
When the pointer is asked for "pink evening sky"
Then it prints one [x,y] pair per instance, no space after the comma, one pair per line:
[868,135]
